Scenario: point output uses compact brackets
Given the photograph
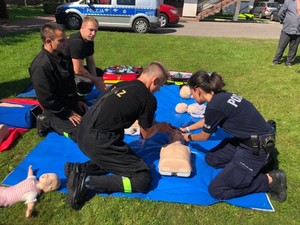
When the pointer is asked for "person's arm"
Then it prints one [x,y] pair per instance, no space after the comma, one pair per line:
[46,90]
[194,126]
[282,12]
[30,171]
[91,65]
[78,66]
[162,127]
[30,208]
[203,136]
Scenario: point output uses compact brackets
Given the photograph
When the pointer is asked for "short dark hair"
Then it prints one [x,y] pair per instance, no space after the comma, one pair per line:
[207,81]
[48,30]
[154,66]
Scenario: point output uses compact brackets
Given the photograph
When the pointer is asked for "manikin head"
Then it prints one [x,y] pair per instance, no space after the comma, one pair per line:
[48,182]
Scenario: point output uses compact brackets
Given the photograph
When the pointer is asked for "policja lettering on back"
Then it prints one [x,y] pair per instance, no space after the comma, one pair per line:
[233,99]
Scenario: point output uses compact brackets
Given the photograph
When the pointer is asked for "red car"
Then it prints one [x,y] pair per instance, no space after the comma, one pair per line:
[168,15]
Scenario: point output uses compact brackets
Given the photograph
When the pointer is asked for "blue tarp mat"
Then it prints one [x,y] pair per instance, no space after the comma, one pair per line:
[20,117]
[29,92]
[52,153]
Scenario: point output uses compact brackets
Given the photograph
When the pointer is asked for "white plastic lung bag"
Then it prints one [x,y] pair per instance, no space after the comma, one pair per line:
[196,110]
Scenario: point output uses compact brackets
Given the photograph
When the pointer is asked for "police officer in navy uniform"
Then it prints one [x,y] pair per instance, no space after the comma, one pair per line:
[101,138]
[245,154]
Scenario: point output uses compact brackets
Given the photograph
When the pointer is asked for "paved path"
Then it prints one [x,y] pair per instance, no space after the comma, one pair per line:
[225,29]
[26,24]
[189,27]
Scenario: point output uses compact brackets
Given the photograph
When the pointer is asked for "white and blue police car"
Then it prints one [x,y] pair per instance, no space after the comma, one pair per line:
[140,15]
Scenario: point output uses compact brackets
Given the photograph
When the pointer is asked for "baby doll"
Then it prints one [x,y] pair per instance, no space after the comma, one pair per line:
[175,157]
[28,190]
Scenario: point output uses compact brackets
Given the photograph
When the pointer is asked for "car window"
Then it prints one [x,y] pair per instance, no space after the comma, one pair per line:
[101,2]
[125,2]
[261,4]
[273,5]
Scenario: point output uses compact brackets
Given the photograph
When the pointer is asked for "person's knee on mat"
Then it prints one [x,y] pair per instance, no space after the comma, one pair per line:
[141,182]
[211,160]
[217,192]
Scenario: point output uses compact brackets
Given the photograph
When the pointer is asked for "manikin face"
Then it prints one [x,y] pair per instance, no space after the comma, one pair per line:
[88,31]
[48,181]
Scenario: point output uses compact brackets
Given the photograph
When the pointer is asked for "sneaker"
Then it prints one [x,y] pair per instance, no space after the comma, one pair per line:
[278,187]
[276,63]
[77,191]
[288,64]
[42,125]
[69,167]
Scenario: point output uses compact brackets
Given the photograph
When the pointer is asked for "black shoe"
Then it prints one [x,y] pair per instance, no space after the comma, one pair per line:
[42,125]
[272,123]
[278,187]
[69,167]
[77,190]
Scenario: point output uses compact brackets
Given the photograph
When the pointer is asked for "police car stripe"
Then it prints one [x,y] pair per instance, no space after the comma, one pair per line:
[119,11]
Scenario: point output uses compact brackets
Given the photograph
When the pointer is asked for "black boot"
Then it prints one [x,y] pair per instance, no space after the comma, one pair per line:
[77,190]
[42,125]
[278,187]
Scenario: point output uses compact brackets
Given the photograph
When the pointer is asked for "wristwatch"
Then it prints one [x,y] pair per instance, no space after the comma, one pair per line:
[190,137]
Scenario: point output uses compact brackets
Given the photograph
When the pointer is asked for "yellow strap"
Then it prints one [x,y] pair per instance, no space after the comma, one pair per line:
[66,134]
[126,185]
[81,95]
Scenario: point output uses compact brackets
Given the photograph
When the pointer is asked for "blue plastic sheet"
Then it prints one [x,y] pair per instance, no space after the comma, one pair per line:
[52,153]
[17,116]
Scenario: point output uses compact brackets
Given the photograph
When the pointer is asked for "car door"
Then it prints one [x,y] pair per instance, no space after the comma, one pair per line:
[101,10]
[122,12]
[259,8]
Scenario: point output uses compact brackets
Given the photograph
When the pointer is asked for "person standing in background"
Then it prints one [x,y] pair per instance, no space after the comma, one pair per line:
[290,33]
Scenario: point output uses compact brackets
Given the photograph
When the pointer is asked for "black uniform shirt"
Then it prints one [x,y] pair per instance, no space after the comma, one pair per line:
[54,84]
[130,102]
[78,48]
[234,114]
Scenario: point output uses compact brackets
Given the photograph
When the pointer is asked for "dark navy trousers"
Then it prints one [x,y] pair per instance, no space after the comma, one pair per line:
[241,174]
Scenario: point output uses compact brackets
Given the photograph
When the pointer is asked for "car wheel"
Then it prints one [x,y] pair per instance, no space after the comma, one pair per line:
[73,22]
[140,25]
[163,19]
[272,17]
[260,16]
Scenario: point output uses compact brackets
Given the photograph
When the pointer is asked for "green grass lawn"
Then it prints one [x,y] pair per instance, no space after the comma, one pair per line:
[246,67]
[24,12]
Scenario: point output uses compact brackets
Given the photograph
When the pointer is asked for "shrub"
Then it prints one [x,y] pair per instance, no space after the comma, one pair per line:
[49,6]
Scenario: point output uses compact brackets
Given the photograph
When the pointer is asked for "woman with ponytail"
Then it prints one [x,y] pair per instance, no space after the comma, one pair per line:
[243,156]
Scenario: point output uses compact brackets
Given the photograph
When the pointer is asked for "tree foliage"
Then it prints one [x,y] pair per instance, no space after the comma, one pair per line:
[3,10]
